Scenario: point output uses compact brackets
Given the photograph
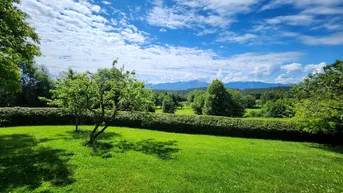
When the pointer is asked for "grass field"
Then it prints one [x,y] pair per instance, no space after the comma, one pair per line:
[53,159]
[188,111]
[179,111]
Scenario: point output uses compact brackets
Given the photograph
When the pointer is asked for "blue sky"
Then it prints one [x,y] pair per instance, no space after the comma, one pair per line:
[180,40]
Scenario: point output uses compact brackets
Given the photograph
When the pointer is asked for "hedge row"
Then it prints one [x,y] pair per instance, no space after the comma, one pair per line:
[192,124]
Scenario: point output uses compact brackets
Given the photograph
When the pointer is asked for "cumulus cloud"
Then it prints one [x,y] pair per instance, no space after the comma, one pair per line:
[314,68]
[296,72]
[290,68]
[77,34]
[187,14]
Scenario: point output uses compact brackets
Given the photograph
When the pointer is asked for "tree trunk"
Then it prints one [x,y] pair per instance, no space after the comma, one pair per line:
[101,131]
[94,135]
[76,123]
[91,136]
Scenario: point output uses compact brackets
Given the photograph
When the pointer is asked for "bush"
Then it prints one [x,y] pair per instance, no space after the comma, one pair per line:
[279,108]
[191,124]
[168,105]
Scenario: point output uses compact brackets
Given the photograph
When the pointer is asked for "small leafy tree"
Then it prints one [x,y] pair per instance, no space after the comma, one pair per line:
[198,102]
[219,102]
[108,90]
[69,94]
[168,105]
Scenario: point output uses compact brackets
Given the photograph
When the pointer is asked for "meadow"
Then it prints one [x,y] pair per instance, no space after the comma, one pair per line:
[54,159]
[187,110]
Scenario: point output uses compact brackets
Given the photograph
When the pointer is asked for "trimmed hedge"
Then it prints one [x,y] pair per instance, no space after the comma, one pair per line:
[191,124]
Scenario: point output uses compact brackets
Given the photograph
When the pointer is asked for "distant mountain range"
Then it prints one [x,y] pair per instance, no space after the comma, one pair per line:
[198,84]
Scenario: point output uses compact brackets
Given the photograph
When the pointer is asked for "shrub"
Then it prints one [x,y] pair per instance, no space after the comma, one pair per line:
[279,108]
[168,105]
[191,124]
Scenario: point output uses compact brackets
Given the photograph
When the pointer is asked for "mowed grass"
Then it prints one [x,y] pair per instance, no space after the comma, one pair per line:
[54,159]
[179,111]
[188,111]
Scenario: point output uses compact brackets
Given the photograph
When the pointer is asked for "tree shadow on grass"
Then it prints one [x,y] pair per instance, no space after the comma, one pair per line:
[84,134]
[163,150]
[23,165]
[332,148]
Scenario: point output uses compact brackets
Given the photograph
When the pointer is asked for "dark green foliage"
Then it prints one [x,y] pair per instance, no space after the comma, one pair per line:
[175,96]
[219,102]
[168,105]
[192,124]
[35,82]
[198,102]
[274,95]
[250,101]
[279,108]
[247,101]
[257,92]
[158,98]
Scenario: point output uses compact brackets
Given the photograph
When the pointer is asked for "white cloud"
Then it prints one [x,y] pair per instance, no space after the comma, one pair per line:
[221,7]
[312,12]
[335,23]
[235,77]
[300,19]
[301,3]
[96,8]
[189,14]
[324,10]
[234,37]
[163,30]
[74,35]
[285,79]
[329,40]
[169,17]
[314,68]
[106,2]
[206,32]
[295,72]
[290,68]
[333,39]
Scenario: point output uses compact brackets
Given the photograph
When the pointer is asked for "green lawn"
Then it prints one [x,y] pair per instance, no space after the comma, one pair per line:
[189,111]
[53,159]
[252,109]
[179,111]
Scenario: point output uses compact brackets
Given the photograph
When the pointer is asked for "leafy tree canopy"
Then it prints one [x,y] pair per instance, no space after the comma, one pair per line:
[168,105]
[18,45]
[219,102]
[320,100]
